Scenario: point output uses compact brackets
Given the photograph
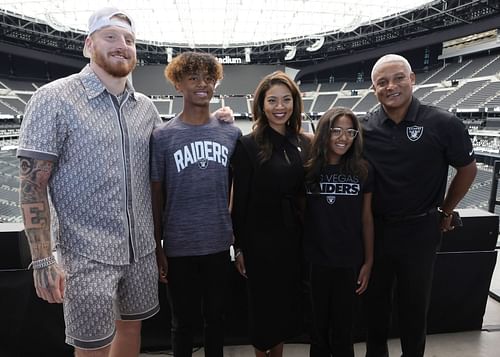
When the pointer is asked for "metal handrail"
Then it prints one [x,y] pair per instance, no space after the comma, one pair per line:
[493,201]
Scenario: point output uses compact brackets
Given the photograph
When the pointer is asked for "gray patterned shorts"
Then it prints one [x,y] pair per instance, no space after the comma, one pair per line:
[97,294]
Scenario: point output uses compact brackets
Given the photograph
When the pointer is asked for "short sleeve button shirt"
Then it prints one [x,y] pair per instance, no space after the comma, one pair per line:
[100,182]
[411,159]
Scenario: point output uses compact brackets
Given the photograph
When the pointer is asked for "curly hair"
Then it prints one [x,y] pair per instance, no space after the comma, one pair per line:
[192,62]
[351,162]
[261,122]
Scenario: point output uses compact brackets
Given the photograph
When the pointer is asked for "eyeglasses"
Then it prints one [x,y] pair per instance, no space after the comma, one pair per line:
[350,133]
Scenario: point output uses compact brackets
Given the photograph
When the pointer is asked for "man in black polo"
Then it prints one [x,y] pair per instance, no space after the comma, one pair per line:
[411,146]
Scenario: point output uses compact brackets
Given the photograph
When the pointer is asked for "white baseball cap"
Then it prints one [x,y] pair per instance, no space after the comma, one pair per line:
[105,17]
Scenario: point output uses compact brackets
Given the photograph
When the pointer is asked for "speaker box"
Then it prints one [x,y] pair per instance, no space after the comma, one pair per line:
[14,248]
[460,291]
[30,326]
[479,232]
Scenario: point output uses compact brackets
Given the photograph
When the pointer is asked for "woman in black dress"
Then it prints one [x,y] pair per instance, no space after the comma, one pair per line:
[268,195]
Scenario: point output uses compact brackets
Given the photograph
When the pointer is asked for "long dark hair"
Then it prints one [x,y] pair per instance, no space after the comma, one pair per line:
[351,162]
[261,122]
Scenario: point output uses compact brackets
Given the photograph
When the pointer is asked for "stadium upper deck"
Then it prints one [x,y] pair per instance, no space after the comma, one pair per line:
[472,85]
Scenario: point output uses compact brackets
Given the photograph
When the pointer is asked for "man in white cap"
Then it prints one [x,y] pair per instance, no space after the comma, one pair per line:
[85,140]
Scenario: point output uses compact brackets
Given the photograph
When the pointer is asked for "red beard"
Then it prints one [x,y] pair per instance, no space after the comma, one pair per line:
[118,70]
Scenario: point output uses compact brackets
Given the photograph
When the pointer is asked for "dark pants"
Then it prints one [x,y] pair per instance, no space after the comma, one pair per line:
[333,301]
[403,265]
[195,281]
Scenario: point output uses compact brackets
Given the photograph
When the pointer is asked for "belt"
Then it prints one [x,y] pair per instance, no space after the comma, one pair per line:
[401,218]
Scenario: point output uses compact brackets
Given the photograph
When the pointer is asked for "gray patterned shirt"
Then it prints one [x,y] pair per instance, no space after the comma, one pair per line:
[100,184]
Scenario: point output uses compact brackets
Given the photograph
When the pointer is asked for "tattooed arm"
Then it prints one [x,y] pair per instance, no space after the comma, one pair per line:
[34,177]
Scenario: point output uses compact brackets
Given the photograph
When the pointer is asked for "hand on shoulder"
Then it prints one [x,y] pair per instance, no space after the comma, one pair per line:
[308,135]
[225,114]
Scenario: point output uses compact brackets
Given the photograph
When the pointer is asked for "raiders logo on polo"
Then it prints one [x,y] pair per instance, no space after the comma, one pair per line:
[203,163]
[330,200]
[414,132]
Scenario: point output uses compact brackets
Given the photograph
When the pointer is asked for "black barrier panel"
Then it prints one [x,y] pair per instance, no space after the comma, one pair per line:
[30,326]
[479,232]
[460,291]
[14,248]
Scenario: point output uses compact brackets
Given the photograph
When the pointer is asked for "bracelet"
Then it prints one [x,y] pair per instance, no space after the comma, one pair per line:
[446,215]
[238,253]
[43,263]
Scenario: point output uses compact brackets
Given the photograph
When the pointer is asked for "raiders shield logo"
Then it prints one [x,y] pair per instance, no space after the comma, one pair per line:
[414,132]
[203,163]
[330,199]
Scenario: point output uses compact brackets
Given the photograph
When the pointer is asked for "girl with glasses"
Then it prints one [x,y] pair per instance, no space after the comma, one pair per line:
[338,239]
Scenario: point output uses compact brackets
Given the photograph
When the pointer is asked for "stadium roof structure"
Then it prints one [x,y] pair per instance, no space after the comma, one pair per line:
[217,23]
[295,32]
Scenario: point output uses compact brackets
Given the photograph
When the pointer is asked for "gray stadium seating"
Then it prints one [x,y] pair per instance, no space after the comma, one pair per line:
[331,87]
[492,68]
[323,102]
[24,97]
[480,98]
[426,77]
[17,85]
[307,105]
[358,85]
[308,87]
[423,91]
[366,104]
[163,106]
[177,105]
[435,96]
[479,192]
[347,102]
[14,103]
[445,72]
[475,66]
[238,104]
[462,92]
[7,110]
[215,104]
[493,102]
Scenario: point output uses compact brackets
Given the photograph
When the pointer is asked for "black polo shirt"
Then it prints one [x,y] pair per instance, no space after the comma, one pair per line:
[411,159]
